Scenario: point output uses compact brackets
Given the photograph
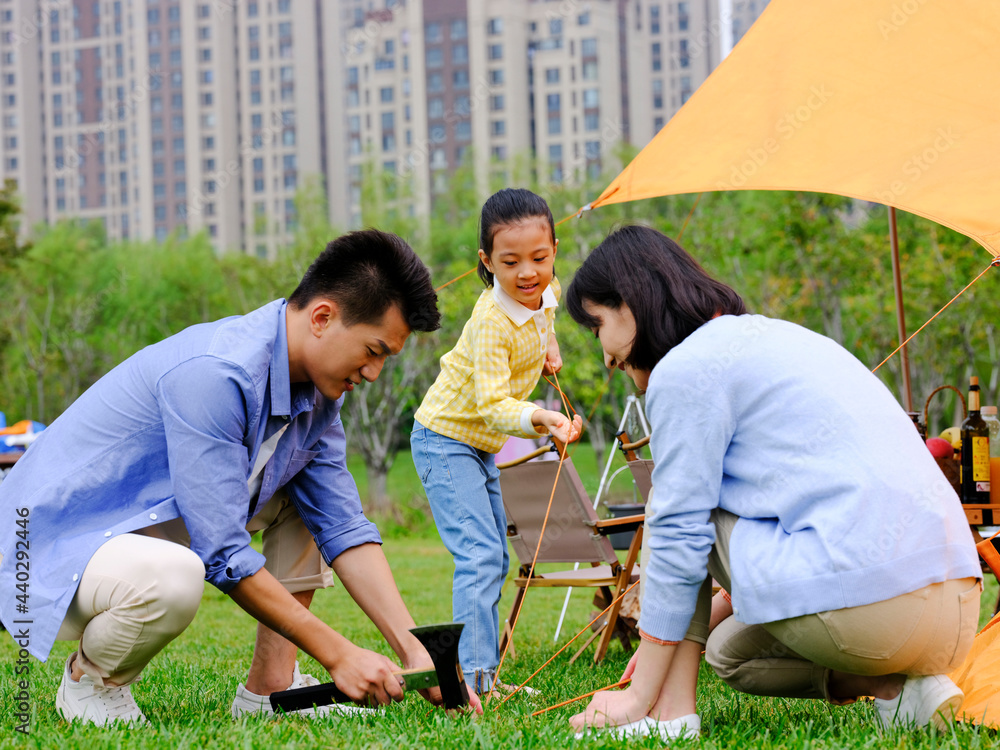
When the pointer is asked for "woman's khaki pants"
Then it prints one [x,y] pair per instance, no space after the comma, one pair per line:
[928,631]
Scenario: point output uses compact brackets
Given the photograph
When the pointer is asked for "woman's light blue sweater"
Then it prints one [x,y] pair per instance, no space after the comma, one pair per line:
[840,502]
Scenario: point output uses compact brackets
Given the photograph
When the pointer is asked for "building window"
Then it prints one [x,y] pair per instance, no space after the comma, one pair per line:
[591,123]
[552,75]
[494,26]
[496,77]
[463,130]
[459,29]
[460,79]
[388,121]
[498,127]
[555,126]
[435,108]
[496,103]
[591,99]
[460,54]
[432,33]
[435,82]
[684,54]
[495,52]
[434,57]
[588,47]
[555,27]
[386,94]
[657,57]
[589,71]
[552,102]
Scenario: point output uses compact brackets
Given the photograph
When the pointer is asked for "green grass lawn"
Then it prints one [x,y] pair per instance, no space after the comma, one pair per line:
[186,691]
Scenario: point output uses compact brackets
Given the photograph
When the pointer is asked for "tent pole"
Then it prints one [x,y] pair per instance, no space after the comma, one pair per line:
[897,283]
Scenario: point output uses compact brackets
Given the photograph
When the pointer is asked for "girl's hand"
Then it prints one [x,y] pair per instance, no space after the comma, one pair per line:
[611,708]
[553,360]
[558,425]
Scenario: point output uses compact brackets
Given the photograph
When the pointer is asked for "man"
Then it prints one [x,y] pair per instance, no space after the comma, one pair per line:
[155,478]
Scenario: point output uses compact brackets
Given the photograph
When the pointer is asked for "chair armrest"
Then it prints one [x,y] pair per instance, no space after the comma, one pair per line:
[527,457]
[613,525]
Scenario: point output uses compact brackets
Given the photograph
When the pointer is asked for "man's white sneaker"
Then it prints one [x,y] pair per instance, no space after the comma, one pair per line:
[246,702]
[93,704]
[933,699]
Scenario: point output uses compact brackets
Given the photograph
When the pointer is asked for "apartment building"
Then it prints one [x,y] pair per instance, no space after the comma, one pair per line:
[160,116]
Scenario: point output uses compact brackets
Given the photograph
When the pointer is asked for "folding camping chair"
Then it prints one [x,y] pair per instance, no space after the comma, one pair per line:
[642,473]
[573,534]
[641,468]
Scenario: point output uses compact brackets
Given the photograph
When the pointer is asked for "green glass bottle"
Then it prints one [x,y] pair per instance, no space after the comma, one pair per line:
[975,452]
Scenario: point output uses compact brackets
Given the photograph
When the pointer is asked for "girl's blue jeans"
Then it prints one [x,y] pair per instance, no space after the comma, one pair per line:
[463,488]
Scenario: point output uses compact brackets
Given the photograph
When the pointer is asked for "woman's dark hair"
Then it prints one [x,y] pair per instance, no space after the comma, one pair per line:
[509,206]
[367,271]
[668,293]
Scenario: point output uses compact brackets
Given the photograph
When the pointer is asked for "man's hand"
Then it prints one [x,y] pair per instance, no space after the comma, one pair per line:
[367,677]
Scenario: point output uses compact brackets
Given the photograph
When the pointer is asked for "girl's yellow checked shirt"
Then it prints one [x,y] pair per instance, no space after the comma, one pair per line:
[479,395]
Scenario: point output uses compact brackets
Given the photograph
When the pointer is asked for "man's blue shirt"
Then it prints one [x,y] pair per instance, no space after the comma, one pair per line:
[173,432]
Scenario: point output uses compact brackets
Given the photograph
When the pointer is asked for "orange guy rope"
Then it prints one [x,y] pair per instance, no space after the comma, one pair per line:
[620,683]
[570,642]
[994,262]
[449,283]
[690,214]
[531,570]
[538,547]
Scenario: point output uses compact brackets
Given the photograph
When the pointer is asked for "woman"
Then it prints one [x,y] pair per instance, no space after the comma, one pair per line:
[788,472]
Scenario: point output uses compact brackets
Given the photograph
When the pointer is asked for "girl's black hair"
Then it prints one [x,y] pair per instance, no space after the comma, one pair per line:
[508,206]
[668,293]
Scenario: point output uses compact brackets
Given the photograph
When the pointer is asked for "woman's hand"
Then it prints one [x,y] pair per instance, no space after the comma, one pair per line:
[611,708]
[558,425]
[630,668]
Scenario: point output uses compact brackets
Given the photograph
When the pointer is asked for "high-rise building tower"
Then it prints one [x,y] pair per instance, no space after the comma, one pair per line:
[160,116]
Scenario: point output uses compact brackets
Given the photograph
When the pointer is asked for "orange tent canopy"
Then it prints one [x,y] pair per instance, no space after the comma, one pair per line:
[890,101]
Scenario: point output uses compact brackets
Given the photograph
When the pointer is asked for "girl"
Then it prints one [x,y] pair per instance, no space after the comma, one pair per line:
[788,472]
[478,400]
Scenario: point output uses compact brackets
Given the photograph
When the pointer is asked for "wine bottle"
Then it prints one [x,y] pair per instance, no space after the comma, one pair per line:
[975,452]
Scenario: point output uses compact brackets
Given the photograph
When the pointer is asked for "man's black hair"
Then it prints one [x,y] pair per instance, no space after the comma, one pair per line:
[668,293]
[365,273]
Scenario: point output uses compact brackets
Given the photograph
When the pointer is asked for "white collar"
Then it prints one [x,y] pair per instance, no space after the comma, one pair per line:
[517,312]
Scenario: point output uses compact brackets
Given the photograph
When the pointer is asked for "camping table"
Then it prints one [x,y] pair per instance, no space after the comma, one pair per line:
[983,515]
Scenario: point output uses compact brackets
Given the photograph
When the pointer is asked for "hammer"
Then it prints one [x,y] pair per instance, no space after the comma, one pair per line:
[441,642]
